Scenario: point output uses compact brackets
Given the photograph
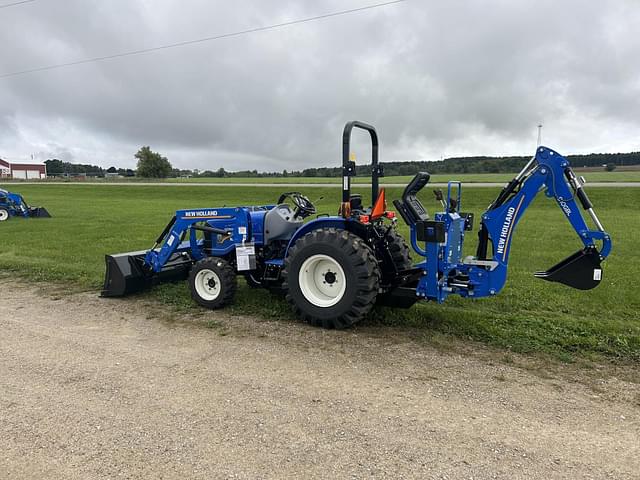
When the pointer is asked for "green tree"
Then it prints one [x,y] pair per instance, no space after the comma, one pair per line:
[610,167]
[152,164]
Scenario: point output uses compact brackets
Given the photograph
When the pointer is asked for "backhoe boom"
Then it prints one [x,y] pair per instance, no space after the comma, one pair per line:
[447,272]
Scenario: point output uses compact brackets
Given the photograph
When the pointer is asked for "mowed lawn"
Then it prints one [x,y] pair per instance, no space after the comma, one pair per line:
[590,176]
[602,176]
[530,315]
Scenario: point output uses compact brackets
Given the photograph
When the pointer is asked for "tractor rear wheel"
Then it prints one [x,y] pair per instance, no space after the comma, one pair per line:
[401,258]
[399,250]
[331,278]
[212,282]
[4,214]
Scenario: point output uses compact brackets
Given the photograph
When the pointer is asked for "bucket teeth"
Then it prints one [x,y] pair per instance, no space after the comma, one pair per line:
[581,270]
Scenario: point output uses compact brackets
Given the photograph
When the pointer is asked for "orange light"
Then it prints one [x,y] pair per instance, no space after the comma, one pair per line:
[364,218]
[345,210]
[379,207]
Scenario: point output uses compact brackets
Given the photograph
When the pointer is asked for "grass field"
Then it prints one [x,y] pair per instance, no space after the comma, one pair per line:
[598,176]
[528,316]
[633,176]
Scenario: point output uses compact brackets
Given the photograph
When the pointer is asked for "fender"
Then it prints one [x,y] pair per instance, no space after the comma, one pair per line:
[322,222]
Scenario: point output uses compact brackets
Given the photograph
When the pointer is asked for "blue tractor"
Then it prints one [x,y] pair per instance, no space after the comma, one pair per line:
[13,205]
[334,269]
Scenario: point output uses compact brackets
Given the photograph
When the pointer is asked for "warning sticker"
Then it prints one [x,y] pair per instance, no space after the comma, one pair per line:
[246,257]
[597,274]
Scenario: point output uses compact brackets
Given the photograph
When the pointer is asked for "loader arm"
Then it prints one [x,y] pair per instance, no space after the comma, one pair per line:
[177,248]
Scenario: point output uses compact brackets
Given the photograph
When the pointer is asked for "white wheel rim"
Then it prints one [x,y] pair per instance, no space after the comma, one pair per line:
[322,281]
[4,215]
[207,284]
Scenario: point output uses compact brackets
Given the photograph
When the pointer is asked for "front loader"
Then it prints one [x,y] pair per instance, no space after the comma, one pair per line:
[14,205]
[334,268]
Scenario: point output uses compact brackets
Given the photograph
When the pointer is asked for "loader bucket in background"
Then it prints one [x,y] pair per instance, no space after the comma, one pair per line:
[581,270]
[39,212]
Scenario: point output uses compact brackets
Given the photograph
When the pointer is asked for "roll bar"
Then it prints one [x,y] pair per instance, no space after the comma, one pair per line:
[349,166]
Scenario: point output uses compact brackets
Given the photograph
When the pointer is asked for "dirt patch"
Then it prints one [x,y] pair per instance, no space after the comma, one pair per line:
[98,388]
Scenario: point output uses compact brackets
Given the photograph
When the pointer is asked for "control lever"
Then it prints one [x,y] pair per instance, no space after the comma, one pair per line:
[440,198]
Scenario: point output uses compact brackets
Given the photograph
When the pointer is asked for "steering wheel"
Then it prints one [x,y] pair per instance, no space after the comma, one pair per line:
[303,205]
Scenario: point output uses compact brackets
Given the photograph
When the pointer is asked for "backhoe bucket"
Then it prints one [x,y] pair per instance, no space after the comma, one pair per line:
[39,212]
[581,270]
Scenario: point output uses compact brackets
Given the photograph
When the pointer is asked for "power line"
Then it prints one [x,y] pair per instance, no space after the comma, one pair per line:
[7,5]
[202,40]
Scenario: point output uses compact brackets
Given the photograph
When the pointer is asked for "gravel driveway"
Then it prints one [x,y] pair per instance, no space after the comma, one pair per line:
[97,388]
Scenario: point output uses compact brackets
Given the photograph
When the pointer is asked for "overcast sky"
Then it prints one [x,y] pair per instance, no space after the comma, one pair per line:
[437,79]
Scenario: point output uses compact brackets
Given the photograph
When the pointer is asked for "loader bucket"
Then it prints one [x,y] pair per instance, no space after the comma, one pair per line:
[126,273]
[39,212]
[581,270]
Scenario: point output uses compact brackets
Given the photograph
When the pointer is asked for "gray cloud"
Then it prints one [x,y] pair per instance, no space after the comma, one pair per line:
[469,77]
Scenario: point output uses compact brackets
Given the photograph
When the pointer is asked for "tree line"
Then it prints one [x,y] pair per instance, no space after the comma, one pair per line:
[152,164]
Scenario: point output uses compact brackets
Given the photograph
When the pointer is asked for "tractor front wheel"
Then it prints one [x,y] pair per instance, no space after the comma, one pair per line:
[212,282]
[331,278]
[4,214]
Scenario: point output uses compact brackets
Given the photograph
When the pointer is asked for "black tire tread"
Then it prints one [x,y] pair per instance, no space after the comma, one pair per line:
[400,252]
[367,274]
[227,276]
[401,258]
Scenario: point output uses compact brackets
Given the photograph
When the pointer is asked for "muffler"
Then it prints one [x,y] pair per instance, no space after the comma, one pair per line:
[127,273]
[581,270]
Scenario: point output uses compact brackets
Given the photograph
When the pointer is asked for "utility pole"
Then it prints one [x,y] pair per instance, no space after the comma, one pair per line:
[539,134]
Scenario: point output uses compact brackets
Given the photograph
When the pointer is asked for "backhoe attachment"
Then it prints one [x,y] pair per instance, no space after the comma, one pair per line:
[445,271]
[549,171]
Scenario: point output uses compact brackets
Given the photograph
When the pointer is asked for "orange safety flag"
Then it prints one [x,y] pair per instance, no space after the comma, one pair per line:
[380,207]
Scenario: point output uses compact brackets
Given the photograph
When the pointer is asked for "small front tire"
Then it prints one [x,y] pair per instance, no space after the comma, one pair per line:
[212,282]
[4,215]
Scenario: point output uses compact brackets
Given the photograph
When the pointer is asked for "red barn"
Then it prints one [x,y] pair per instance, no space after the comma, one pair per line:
[22,171]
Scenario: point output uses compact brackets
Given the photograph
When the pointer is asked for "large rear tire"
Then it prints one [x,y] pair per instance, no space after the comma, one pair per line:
[4,215]
[399,250]
[331,278]
[401,258]
[212,282]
